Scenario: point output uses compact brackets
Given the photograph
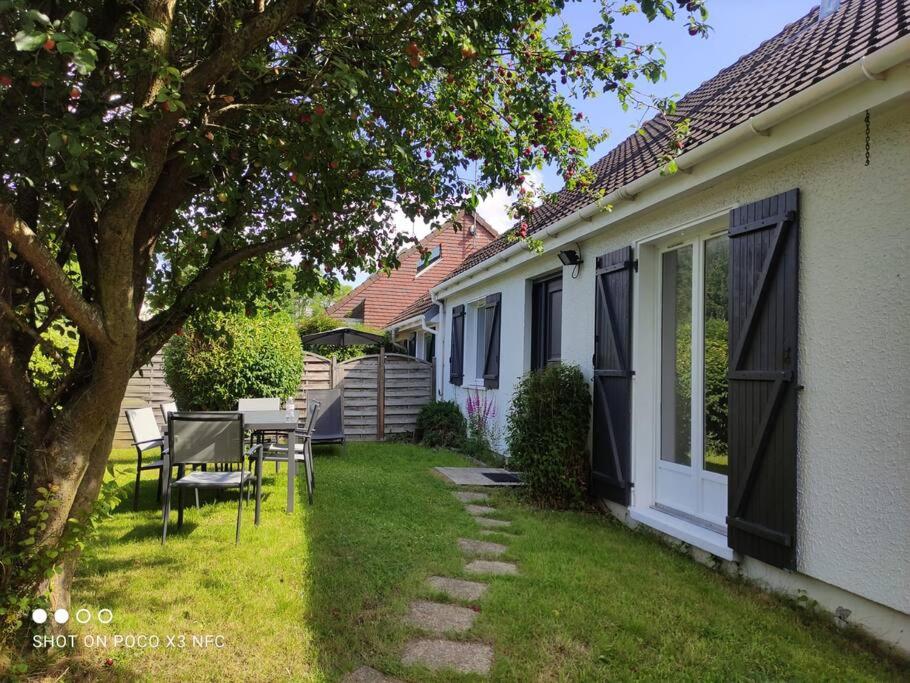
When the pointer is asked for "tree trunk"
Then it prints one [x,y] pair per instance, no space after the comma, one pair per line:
[9,429]
[70,462]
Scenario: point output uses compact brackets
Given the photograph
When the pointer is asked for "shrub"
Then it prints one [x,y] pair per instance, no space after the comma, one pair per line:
[441,423]
[222,357]
[547,434]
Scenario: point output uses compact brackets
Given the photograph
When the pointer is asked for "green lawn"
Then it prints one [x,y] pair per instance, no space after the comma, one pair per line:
[316,594]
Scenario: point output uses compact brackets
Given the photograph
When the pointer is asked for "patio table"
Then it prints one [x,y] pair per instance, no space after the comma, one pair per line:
[277,421]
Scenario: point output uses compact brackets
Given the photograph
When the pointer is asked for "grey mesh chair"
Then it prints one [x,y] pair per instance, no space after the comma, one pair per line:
[303,451]
[329,427]
[200,438]
[146,436]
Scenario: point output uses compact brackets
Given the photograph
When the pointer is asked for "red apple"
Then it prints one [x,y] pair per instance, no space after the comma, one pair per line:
[50,44]
[319,110]
[5,80]
[75,93]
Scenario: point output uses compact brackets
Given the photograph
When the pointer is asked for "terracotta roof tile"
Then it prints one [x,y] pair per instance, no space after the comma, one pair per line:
[803,53]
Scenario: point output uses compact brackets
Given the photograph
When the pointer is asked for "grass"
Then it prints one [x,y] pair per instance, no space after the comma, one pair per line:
[313,595]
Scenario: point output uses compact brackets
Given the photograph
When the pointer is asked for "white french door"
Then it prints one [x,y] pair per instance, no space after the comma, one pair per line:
[691,475]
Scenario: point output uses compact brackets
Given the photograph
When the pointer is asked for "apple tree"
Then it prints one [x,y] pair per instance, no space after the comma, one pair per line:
[161,150]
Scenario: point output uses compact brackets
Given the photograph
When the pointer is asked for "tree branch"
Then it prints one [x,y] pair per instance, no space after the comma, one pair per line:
[220,64]
[153,333]
[29,246]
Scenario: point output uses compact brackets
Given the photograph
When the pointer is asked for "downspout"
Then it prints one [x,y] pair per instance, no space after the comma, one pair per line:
[870,68]
[440,346]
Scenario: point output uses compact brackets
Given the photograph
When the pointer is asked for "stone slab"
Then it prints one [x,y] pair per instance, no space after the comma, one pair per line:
[478,510]
[366,674]
[471,496]
[466,658]
[492,523]
[491,567]
[458,589]
[437,617]
[471,547]
[473,476]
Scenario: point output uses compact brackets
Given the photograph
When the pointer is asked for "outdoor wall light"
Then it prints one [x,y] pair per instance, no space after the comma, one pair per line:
[570,257]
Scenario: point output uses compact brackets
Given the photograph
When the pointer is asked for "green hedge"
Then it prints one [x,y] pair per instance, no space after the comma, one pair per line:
[441,424]
[223,357]
[547,434]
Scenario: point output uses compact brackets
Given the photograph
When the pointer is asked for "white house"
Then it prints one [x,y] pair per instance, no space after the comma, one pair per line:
[744,323]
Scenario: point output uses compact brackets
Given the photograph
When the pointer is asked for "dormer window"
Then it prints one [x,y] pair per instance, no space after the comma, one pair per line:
[430,258]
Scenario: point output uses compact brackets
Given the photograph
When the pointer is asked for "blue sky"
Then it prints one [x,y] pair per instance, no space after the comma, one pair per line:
[739,26]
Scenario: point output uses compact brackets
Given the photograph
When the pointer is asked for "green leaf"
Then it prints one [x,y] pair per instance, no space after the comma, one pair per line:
[78,22]
[55,140]
[35,15]
[85,61]
[29,41]
[66,47]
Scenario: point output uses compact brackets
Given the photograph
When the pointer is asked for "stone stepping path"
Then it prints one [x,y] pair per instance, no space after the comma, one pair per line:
[366,674]
[472,547]
[466,658]
[492,523]
[437,617]
[491,567]
[471,496]
[458,589]
[479,510]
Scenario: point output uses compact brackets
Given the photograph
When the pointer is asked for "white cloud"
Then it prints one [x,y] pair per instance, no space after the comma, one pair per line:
[494,209]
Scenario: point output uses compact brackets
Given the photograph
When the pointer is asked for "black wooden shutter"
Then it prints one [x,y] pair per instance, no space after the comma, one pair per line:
[456,357]
[493,305]
[611,457]
[764,293]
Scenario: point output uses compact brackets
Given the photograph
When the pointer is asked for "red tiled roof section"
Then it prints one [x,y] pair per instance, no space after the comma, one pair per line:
[422,305]
[385,297]
[802,54]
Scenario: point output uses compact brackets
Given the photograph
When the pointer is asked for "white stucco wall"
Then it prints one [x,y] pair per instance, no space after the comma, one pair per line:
[854,413]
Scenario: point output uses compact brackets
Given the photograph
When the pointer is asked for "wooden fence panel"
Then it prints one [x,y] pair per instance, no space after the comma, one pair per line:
[146,388]
[408,385]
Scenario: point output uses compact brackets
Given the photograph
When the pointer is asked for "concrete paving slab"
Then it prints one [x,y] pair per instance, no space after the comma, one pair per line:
[491,567]
[458,589]
[471,547]
[471,496]
[473,476]
[466,658]
[438,617]
[492,523]
[366,674]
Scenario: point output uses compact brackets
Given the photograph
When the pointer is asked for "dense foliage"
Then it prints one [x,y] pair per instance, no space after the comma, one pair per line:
[223,357]
[441,424]
[547,434]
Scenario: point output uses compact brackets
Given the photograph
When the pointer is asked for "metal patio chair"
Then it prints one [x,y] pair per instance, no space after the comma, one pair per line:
[329,428]
[146,436]
[201,438]
[260,404]
[303,452]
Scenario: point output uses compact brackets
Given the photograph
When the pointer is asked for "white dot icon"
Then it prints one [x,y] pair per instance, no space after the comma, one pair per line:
[61,616]
[39,616]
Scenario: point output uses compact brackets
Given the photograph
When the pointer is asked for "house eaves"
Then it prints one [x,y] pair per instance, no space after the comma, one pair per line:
[876,75]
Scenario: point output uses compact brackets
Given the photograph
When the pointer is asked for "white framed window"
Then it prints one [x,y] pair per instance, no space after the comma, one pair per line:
[476,314]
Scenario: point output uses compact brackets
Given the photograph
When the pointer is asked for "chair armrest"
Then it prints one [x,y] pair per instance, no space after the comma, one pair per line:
[259,455]
[150,443]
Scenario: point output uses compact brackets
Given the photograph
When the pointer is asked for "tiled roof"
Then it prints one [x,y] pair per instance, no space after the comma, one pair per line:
[802,54]
[422,305]
[385,297]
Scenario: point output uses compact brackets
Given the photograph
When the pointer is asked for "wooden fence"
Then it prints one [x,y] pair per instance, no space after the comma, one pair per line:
[403,383]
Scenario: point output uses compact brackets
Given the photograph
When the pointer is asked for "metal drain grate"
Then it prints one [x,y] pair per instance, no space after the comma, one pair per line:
[502,477]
